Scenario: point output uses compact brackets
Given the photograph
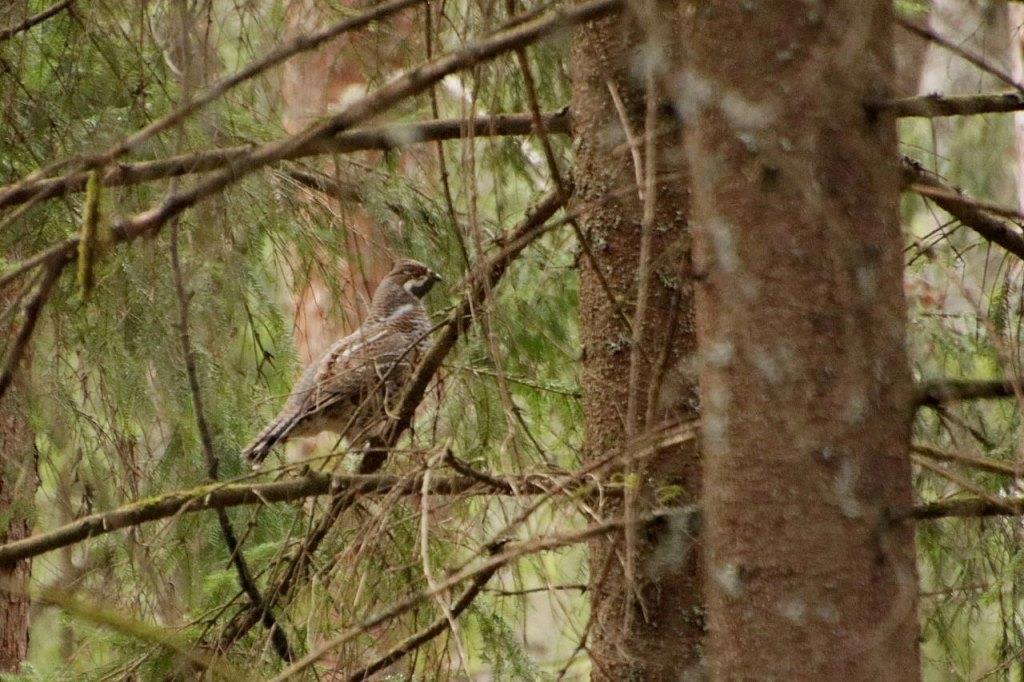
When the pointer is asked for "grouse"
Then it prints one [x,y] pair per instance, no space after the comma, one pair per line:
[349,388]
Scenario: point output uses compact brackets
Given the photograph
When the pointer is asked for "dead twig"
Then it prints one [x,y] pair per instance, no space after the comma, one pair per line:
[32,310]
[958,50]
[224,495]
[980,463]
[410,644]
[29,22]
[382,138]
[510,553]
[940,392]
[972,215]
[296,46]
[936,105]
[277,634]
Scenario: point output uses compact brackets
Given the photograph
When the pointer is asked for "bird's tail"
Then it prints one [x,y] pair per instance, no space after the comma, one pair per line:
[275,432]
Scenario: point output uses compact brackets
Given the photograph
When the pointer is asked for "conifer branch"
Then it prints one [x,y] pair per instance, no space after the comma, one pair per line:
[380,138]
[398,89]
[282,53]
[415,641]
[509,553]
[959,50]
[225,495]
[35,19]
[481,280]
[33,308]
[277,634]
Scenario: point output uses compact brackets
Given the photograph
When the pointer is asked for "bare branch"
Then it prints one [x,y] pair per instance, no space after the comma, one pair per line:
[417,640]
[52,10]
[958,50]
[967,508]
[952,197]
[32,311]
[963,209]
[981,463]
[936,105]
[940,392]
[224,495]
[382,138]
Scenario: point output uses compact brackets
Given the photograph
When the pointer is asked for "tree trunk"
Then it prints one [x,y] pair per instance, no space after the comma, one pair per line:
[17,486]
[805,384]
[658,635]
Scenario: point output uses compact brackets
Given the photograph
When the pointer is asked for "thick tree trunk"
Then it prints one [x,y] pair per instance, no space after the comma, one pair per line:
[656,636]
[805,384]
[17,485]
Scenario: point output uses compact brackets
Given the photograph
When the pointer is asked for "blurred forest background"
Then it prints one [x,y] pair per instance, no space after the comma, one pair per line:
[265,271]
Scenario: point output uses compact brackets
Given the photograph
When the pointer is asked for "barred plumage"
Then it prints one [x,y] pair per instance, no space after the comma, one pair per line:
[347,390]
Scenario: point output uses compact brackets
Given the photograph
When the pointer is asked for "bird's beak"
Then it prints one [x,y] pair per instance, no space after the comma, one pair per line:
[434,277]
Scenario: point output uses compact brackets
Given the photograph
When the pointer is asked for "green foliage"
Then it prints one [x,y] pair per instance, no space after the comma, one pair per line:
[111,403]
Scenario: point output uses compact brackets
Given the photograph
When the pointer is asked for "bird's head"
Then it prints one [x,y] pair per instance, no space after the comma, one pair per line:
[412,276]
[408,279]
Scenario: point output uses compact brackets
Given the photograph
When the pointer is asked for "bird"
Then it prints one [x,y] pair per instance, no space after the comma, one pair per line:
[349,388]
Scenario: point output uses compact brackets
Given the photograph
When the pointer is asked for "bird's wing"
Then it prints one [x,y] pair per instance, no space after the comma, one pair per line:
[357,367]
[342,371]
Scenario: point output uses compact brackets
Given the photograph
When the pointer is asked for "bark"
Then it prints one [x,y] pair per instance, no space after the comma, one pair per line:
[658,635]
[805,385]
[17,485]
[17,456]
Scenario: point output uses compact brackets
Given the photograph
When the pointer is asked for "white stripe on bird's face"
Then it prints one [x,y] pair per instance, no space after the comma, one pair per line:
[421,286]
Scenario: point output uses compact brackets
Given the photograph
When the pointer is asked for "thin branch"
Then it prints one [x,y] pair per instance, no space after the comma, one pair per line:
[967,212]
[225,495]
[399,88]
[940,392]
[428,633]
[277,635]
[382,138]
[936,105]
[52,10]
[578,587]
[32,311]
[981,463]
[967,508]
[464,468]
[300,44]
[951,197]
[511,552]
[960,51]
[959,481]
